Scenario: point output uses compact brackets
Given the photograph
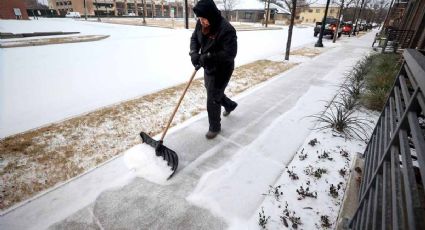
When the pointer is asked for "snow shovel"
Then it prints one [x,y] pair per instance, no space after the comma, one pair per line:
[162,151]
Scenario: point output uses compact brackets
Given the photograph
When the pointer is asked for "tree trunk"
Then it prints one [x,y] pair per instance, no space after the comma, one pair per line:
[339,21]
[186,15]
[144,12]
[268,12]
[291,26]
[357,19]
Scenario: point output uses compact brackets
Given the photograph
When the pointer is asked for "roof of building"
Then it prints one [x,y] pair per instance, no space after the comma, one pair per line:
[253,5]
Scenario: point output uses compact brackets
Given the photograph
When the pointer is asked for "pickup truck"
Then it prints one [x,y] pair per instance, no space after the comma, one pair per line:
[330,27]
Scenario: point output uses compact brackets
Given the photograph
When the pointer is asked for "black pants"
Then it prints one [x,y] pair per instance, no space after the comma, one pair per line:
[215,99]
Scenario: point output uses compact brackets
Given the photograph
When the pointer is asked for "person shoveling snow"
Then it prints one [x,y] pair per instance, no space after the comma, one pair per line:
[213,46]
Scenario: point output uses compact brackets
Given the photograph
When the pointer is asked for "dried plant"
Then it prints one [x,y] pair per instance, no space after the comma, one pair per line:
[303,193]
[325,222]
[292,175]
[325,155]
[343,172]
[317,173]
[313,142]
[344,153]
[333,190]
[274,191]
[302,156]
[263,219]
[290,216]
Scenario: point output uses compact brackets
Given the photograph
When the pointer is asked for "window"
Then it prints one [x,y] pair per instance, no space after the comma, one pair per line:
[306,20]
[310,11]
[248,15]
[317,10]
[332,10]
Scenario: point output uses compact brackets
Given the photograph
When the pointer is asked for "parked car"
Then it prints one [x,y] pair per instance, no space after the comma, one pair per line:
[347,27]
[73,15]
[131,14]
[330,27]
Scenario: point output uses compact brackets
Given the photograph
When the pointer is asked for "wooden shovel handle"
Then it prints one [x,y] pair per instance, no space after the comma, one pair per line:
[178,104]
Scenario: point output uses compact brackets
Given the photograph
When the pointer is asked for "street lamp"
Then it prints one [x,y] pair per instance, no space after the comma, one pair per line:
[322,28]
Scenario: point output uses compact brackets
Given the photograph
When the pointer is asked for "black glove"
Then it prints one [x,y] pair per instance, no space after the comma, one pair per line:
[194,57]
[205,59]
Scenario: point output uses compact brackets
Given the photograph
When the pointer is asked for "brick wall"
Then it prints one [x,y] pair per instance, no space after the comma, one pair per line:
[6,9]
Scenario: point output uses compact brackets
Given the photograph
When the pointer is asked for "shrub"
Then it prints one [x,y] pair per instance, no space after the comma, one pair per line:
[379,80]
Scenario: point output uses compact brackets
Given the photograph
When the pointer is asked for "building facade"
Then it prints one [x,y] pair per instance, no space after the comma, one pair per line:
[13,9]
[154,8]
[314,13]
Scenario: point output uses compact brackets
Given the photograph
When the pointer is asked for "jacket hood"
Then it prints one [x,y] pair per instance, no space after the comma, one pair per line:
[207,9]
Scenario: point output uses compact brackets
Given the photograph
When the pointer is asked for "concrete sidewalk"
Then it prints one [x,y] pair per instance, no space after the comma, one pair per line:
[109,197]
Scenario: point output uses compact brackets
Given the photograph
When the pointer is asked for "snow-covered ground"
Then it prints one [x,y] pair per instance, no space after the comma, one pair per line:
[45,84]
[225,177]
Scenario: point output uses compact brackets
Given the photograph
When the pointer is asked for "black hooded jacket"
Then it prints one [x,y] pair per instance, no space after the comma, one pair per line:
[221,42]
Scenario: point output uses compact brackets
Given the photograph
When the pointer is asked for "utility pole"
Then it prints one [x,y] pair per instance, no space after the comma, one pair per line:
[144,12]
[319,42]
[85,10]
[291,26]
[339,20]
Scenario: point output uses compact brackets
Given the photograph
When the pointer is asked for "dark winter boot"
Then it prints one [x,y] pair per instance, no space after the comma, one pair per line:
[227,112]
[211,134]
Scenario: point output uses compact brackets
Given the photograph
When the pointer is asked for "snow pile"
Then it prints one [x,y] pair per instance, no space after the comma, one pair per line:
[143,161]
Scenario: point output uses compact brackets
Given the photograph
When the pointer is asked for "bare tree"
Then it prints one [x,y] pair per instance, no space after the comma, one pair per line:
[292,5]
[291,26]
[229,5]
[299,4]
[342,6]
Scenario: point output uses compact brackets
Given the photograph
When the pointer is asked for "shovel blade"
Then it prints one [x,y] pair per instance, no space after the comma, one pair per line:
[162,151]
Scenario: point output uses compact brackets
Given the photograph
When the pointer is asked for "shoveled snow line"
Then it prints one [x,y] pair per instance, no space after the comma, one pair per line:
[96,219]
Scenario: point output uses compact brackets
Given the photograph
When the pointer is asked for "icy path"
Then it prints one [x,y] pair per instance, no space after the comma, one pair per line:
[219,182]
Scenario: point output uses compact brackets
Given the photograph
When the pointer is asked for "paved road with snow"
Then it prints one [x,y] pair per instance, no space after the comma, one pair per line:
[219,182]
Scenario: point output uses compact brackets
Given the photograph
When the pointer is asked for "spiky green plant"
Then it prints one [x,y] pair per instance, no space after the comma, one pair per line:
[347,101]
[343,121]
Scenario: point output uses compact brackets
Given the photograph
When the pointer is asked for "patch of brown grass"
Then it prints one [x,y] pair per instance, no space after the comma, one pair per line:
[308,52]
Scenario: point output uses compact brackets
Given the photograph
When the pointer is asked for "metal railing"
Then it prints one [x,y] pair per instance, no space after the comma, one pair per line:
[394,39]
[392,194]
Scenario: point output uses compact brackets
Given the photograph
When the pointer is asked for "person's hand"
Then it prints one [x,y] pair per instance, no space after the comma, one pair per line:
[194,57]
[204,59]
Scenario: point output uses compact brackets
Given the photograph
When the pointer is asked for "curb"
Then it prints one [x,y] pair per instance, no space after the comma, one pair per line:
[50,41]
[351,195]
